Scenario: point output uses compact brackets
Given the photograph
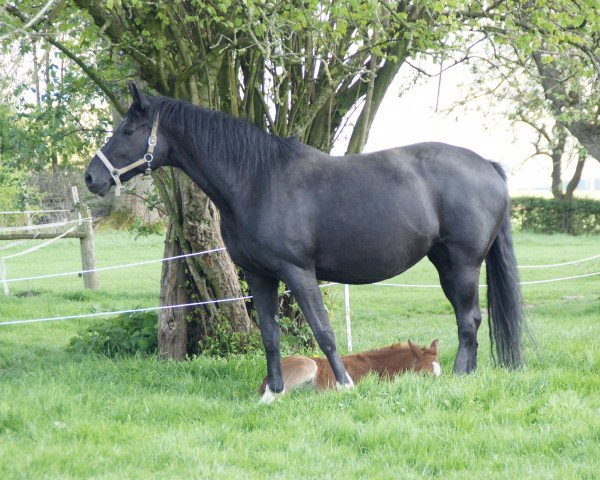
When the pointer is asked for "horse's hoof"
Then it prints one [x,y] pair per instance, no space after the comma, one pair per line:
[345,386]
[270,396]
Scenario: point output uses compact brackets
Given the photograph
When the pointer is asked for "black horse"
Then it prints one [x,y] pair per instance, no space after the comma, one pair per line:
[290,212]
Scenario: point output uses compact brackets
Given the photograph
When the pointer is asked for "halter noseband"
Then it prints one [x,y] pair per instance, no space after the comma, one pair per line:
[147,159]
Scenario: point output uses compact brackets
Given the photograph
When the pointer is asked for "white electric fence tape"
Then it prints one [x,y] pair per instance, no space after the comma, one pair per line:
[5,280]
[114,267]
[41,245]
[223,300]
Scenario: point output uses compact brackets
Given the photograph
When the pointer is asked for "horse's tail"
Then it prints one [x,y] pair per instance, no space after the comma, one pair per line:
[505,310]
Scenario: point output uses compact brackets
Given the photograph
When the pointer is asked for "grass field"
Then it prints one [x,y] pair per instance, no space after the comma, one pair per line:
[63,415]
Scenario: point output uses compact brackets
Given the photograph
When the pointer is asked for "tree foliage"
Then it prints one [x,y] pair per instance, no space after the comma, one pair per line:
[540,61]
[53,114]
[557,43]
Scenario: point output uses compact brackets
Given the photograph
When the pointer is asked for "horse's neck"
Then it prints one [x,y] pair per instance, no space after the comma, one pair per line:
[213,178]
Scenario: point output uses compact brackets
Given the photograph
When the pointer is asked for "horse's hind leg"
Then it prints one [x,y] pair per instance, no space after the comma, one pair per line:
[459,277]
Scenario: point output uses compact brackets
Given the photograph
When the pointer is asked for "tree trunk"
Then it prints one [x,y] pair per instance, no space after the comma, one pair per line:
[572,185]
[584,130]
[557,152]
[194,227]
[172,322]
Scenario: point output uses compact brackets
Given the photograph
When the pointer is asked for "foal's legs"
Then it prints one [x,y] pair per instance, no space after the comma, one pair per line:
[304,286]
[459,277]
[264,291]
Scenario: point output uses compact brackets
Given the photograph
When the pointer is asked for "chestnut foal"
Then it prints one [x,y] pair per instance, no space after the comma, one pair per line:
[299,371]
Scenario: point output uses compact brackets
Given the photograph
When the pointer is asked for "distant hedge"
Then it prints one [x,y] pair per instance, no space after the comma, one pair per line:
[549,215]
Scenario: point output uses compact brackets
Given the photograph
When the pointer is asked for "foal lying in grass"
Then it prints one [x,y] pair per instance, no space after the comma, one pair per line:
[299,371]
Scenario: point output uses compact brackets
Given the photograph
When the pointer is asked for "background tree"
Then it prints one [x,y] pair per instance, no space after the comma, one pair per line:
[509,79]
[562,42]
[59,111]
[539,61]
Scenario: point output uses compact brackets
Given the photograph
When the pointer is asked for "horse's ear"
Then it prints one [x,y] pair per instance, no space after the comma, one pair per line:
[140,102]
[415,349]
[434,346]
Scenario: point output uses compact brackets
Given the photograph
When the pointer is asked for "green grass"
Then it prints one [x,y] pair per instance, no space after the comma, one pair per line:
[63,415]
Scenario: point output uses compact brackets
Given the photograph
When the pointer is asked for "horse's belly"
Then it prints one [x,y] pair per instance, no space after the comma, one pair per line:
[367,262]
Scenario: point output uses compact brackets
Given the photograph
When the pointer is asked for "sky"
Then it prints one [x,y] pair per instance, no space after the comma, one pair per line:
[411,118]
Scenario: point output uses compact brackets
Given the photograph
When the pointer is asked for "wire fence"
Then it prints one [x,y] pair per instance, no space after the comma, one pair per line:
[224,300]
[41,226]
[223,249]
[234,299]
[115,267]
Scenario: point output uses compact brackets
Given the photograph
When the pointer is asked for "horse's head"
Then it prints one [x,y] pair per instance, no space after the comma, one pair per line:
[427,358]
[136,146]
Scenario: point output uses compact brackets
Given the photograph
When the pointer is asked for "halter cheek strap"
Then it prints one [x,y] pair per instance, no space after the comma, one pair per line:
[147,159]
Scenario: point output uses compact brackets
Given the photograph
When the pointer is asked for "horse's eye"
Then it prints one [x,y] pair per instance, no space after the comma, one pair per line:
[127,131]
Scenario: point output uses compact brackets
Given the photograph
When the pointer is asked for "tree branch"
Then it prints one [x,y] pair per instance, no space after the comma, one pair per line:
[90,72]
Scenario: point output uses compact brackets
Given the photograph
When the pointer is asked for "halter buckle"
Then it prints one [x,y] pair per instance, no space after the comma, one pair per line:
[148,157]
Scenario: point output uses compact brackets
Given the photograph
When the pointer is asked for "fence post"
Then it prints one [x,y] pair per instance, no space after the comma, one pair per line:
[3,276]
[88,249]
[347,308]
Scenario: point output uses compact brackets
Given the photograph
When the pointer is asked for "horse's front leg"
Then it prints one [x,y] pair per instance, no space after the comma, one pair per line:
[264,292]
[303,284]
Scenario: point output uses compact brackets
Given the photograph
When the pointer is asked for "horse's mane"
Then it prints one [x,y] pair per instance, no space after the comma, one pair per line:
[221,138]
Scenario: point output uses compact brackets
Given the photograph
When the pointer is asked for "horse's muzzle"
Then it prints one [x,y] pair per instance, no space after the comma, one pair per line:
[97,186]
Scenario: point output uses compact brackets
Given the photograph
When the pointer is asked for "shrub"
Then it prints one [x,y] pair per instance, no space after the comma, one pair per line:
[224,341]
[576,216]
[126,334]
[296,335]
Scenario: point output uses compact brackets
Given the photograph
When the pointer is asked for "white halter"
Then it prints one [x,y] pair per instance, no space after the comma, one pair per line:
[147,159]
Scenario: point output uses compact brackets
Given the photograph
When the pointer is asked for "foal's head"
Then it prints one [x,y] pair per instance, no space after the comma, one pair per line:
[426,359]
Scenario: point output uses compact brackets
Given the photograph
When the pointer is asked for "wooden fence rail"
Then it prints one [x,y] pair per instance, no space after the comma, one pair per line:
[84,232]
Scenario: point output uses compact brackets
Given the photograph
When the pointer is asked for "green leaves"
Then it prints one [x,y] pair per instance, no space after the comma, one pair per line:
[576,216]
[126,334]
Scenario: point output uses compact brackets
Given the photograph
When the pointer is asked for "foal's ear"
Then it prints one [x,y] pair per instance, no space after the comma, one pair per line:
[434,346]
[415,349]
[140,102]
